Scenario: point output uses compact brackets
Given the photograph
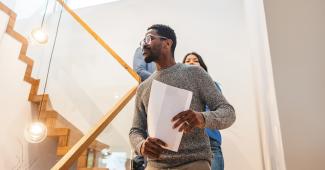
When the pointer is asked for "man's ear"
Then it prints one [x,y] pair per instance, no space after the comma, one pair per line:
[169,43]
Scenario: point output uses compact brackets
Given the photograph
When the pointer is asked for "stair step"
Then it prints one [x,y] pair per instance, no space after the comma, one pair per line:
[26,59]
[98,146]
[82,160]
[35,85]
[63,140]
[38,98]
[29,70]
[58,132]
[30,80]
[50,123]
[48,114]
[62,150]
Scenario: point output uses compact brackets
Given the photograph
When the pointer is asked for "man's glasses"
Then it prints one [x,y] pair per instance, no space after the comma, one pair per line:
[148,38]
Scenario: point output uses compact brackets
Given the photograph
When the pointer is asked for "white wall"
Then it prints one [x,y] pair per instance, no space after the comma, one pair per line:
[269,125]
[297,40]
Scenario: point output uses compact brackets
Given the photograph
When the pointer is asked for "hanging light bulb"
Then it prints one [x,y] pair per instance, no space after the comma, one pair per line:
[36,132]
[39,35]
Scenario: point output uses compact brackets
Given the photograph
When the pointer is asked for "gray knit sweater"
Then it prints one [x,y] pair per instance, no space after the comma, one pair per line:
[194,145]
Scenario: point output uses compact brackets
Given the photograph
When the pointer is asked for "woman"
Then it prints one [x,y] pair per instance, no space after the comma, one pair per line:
[214,134]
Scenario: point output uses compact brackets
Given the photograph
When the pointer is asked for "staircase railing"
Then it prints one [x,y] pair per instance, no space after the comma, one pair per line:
[76,151]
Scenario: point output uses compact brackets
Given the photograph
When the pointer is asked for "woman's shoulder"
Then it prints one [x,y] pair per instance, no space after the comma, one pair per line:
[193,69]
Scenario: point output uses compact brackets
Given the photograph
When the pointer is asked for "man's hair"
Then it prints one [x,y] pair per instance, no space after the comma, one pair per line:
[202,64]
[165,31]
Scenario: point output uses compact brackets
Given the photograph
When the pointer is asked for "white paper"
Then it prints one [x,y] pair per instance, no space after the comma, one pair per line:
[164,103]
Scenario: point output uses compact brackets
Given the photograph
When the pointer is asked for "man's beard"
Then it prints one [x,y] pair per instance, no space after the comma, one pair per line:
[153,55]
[151,58]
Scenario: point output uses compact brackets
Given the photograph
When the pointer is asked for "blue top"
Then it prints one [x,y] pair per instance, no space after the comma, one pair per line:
[214,133]
[140,66]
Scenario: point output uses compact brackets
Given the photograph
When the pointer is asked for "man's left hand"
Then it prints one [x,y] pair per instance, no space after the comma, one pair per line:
[188,120]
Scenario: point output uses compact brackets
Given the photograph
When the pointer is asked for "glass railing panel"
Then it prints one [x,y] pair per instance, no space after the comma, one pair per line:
[85,80]
[82,78]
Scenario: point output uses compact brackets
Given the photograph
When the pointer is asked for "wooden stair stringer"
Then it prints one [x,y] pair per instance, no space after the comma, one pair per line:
[76,134]
[33,97]
[47,114]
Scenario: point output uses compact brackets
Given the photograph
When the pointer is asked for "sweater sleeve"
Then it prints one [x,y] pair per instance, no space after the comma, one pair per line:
[138,132]
[221,114]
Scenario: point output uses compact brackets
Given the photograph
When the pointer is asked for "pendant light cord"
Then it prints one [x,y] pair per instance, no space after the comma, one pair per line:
[47,3]
[50,62]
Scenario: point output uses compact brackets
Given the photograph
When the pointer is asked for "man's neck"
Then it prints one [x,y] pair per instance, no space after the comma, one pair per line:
[165,62]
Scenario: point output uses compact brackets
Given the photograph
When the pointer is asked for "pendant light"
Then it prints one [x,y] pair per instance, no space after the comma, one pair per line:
[36,132]
[40,34]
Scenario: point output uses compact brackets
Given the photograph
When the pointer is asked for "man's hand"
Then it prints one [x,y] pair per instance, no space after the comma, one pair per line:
[151,147]
[187,120]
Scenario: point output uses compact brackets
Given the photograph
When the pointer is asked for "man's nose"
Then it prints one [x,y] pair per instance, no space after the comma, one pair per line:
[145,45]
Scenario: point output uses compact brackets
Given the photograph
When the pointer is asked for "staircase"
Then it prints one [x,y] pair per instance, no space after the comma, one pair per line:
[58,128]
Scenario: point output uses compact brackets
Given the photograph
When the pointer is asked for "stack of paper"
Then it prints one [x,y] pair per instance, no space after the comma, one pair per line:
[164,103]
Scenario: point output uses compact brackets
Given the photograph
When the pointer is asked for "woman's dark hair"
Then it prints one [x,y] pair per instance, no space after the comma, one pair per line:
[201,62]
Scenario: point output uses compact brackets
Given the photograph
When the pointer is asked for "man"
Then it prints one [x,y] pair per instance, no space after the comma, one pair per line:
[140,66]
[194,151]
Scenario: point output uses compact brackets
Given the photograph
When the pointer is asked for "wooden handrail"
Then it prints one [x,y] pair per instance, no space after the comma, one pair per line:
[100,40]
[73,154]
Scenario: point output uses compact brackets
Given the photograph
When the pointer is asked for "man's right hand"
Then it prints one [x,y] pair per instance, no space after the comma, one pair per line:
[152,147]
